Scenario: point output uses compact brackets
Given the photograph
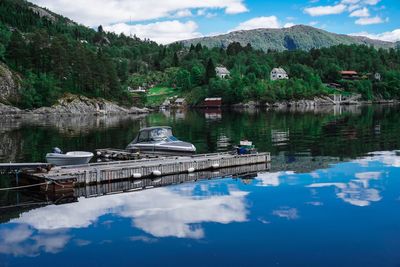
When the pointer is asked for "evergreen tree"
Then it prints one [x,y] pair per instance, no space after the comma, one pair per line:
[17,51]
[210,70]
[175,61]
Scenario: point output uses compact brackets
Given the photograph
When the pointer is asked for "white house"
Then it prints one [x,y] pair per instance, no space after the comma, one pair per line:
[180,102]
[222,72]
[278,74]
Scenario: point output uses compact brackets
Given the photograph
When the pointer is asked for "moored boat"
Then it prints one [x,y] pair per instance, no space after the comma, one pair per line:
[160,140]
[69,158]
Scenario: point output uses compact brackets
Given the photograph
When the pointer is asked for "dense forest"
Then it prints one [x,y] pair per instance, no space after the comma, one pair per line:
[54,55]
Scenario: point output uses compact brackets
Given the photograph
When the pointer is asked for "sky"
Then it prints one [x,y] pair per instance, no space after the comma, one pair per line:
[166,21]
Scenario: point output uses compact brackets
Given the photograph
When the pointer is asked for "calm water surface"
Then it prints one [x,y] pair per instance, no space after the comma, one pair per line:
[331,198]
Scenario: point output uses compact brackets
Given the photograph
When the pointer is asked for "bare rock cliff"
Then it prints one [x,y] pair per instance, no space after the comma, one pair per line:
[9,84]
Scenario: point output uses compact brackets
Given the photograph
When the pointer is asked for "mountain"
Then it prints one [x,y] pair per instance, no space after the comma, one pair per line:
[297,37]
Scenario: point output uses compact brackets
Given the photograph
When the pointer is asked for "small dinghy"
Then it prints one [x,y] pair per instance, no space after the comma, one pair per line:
[245,147]
[57,158]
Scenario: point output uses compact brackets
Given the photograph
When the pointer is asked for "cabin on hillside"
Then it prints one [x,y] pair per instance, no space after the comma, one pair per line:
[222,72]
[278,74]
[180,102]
[212,102]
[349,75]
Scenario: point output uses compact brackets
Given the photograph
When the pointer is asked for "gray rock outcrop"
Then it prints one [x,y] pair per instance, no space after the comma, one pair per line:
[73,104]
[9,84]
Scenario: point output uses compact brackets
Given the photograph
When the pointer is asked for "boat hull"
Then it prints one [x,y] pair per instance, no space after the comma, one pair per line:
[71,158]
[169,148]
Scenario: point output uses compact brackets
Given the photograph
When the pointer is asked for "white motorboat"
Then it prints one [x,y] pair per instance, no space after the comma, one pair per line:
[70,158]
[160,140]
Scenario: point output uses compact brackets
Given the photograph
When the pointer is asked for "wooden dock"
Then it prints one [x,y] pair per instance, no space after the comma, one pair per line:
[105,172]
[15,167]
[35,198]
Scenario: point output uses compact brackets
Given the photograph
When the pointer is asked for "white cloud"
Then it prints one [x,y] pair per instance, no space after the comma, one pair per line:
[351,8]
[368,175]
[21,240]
[371,2]
[289,24]
[350,2]
[178,210]
[370,20]
[183,13]
[325,10]
[287,213]
[271,178]
[360,2]
[357,192]
[105,12]
[388,158]
[356,8]
[364,12]
[392,36]
[259,22]
[163,32]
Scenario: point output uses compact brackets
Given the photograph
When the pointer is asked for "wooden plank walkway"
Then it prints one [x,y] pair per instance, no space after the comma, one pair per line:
[113,171]
[13,167]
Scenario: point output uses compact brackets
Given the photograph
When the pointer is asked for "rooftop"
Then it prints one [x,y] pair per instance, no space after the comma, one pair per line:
[155,127]
[279,70]
[348,72]
[222,70]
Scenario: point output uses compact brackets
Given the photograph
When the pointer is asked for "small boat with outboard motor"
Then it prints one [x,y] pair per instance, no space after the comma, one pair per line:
[58,158]
[160,140]
[245,147]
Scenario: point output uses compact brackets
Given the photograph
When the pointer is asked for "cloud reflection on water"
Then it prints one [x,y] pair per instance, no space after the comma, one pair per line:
[358,191]
[160,212]
[22,240]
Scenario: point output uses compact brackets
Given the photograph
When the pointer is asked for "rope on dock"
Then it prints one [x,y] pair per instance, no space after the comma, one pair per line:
[23,186]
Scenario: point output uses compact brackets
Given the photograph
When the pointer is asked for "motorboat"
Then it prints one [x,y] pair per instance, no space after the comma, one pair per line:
[57,158]
[159,140]
[245,147]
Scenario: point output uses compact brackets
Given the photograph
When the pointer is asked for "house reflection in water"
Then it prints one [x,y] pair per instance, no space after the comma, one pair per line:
[213,114]
[280,138]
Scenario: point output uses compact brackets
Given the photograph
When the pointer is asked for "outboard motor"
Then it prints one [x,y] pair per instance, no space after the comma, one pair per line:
[56,150]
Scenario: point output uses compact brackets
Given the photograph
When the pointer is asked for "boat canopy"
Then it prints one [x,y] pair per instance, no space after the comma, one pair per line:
[155,134]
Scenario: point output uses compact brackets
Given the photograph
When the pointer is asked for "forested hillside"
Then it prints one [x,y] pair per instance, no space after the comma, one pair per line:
[54,55]
[308,72]
[298,37]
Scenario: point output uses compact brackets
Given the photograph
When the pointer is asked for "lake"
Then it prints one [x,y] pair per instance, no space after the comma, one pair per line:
[330,198]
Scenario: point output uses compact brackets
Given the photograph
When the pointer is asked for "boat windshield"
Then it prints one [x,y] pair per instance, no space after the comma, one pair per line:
[162,134]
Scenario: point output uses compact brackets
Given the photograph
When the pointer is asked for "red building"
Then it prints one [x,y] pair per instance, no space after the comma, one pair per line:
[349,75]
[214,102]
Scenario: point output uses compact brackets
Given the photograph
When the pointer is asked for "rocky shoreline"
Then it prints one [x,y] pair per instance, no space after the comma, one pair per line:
[317,102]
[72,105]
